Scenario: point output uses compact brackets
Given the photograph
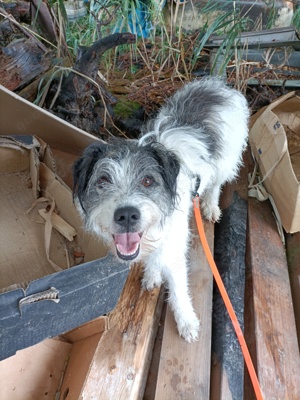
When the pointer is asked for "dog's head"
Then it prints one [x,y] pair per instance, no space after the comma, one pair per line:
[125,191]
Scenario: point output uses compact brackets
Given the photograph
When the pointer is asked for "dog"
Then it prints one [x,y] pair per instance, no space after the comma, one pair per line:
[137,194]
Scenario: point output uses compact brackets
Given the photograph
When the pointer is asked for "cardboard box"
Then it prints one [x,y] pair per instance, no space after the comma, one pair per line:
[53,369]
[275,142]
[44,293]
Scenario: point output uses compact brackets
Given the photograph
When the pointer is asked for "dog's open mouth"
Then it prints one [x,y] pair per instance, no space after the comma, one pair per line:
[128,245]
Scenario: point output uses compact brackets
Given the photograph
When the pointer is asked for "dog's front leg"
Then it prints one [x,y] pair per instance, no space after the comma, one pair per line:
[172,271]
[175,276]
[210,203]
[152,274]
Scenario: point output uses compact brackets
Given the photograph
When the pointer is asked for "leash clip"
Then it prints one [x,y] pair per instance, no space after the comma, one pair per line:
[196,200]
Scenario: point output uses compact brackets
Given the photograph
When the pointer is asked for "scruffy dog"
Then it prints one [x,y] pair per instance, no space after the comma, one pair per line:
[137,194]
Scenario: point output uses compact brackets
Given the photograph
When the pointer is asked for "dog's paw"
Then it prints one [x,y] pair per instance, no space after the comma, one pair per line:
[151,282]
[211,213]
[189,329]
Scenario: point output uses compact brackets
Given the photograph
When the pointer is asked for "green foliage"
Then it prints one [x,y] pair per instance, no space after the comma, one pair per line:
[228,21]
[221,17]
[125,108]
[271,14]
[296,18]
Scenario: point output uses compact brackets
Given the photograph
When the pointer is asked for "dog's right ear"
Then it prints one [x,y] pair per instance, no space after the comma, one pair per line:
[83,169]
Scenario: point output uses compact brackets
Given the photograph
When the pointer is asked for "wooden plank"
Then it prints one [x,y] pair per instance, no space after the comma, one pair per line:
[21,62]
[271,329]
[184,369]
[230,245]
[121,362]
[293,258]
[227,373]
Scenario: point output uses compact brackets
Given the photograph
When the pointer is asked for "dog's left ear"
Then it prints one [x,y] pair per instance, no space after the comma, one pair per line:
[170,167]
[83,168]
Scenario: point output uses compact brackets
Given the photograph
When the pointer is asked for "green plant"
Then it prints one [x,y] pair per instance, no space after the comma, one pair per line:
[229,22]
[296,17]
[170,44]
[271,15]
[125,108]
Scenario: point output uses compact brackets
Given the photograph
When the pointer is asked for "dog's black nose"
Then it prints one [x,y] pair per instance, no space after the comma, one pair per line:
[127,217]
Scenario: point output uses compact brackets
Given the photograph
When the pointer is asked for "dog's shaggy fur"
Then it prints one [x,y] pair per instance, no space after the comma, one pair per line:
[137,195]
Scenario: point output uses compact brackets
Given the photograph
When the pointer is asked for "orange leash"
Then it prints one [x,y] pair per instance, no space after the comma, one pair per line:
[226,300]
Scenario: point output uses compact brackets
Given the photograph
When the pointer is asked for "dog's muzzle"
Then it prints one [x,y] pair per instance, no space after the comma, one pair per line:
[127,243]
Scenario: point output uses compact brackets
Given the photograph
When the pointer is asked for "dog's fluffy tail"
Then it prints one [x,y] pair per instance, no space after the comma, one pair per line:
[205,124]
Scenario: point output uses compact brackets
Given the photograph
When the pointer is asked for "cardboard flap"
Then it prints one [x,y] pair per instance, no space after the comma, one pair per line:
[9,304]
[25,141]
[24,153]
[65,283]
[17,155]
[289,115]
[102,279]
[275,142]
[268,147]
[280,100]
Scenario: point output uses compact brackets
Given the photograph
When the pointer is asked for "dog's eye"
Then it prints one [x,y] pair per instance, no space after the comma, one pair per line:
[147,181]
[102,181]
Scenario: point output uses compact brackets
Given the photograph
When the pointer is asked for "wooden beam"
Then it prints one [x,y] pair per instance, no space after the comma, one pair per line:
[271,329]
[227,373]
[184,368]
[230,247]
[121,362]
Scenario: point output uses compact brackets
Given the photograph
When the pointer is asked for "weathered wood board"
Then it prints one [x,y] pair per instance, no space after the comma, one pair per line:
[227,373]
[184,368]
[21,62]
[270,328]
[121,361]
[230,247]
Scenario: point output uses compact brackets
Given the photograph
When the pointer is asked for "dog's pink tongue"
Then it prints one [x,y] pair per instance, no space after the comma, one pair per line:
[127,243]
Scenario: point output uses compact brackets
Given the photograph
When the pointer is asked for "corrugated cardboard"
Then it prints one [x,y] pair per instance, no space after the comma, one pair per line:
[36,302]
[53,369]
[275,142]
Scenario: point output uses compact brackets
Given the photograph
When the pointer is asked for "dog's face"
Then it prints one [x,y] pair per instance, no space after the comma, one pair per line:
[125,193]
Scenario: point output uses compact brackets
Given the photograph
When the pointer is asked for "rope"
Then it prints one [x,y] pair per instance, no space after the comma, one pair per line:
[259,192]
[233,317]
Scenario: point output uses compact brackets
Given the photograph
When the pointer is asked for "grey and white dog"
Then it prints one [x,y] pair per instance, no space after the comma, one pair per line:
[137,194]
